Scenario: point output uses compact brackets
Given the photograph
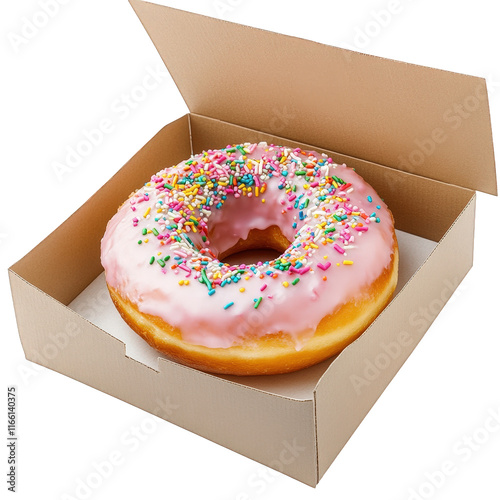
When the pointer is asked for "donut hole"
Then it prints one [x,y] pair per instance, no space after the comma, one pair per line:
[261,245]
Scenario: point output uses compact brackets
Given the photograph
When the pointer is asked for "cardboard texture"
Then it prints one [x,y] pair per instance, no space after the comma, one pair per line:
[358,113]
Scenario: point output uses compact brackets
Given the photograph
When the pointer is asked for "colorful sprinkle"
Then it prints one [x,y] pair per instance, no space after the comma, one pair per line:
[316,202]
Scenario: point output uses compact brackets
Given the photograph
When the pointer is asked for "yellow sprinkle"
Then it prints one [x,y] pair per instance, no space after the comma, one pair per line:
[186,282]
[314,245]
[247,278]
[181,282]
[306,186]
[242,289]
[256,191]
[263,200]
[325,257]
[146,213]
[347,262]
[159,253]
[158,210]
[146,240]
[285,284]
[338,263]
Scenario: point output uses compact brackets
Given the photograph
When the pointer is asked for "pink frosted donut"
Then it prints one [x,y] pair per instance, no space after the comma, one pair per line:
[164,250]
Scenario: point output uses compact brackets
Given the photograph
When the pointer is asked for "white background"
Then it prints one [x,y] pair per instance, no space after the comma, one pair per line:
[71,74]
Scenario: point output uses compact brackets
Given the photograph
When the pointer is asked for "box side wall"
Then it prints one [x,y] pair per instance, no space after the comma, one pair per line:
[276,431]
[78,238]
[405,194]
[357,378]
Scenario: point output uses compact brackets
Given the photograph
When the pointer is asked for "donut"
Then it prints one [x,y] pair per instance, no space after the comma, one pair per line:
[165,257]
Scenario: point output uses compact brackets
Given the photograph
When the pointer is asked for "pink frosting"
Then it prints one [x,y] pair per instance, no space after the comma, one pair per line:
[213,312]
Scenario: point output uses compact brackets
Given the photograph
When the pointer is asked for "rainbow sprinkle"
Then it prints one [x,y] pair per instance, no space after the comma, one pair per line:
[188,194]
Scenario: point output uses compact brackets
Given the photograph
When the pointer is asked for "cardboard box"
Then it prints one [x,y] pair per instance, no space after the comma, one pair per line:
[420,136]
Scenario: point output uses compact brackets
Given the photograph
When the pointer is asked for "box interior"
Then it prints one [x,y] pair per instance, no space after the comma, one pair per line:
[94,304]
[414,201]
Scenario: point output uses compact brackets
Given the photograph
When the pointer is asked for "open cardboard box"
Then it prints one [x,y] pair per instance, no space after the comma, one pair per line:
[420,136]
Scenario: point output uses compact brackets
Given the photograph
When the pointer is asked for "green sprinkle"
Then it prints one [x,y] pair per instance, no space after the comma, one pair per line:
[155,231]
[161,262]
[204,279]
[151,261]
[167,258]
[140,242]
[204,238]
[329,230]
[257,302]
[295,281]
[300,172]
[228,305]
[168,186]
[306,203]
[144,231]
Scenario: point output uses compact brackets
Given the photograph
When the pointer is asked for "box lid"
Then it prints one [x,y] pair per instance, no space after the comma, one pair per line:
[426,121]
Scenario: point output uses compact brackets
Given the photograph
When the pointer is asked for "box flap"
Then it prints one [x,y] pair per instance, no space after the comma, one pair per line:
[426,121]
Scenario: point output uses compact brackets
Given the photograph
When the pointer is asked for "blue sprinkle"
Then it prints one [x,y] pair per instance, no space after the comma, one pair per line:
[211,292]
[378,207]
[228,305]
[369,198]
